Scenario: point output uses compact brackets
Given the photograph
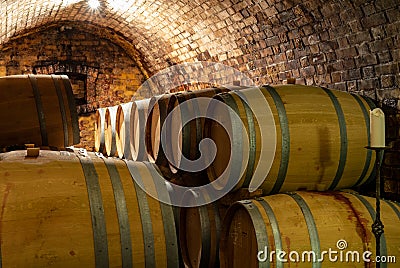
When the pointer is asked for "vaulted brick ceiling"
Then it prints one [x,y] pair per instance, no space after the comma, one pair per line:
[176,29]
[262,37]
[156,28]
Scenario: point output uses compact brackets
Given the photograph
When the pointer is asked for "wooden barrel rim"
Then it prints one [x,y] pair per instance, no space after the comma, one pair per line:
[145,219]
[183,140]
[275,228]
[166,211]
[285,136]
[155,122]
[311,226]
[208,133]
[372,106]
[72,109]
[343,138]
[99,141]
[138,120]
[253,216]
[122,129]
[110,131]
[56,81]
[235,101]
[369,152]
[119,128]
[152,150]
[122,212]
[393,206]
[39,108]
[135,124]
[202,251]
[96,212]
[252,137]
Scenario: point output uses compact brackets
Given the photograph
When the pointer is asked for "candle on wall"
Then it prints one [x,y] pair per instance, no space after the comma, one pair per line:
[377,128]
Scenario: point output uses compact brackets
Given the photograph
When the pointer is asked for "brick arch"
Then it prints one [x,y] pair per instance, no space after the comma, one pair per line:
[102,32]
[177,30]
[83,78]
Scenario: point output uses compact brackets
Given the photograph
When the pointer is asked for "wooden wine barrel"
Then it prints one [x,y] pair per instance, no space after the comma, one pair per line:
[99,125]
[38,109]
[138,129]
[122,130]
[186,144]
[199,233]
[158,111]
[301,222]
[70,210]
[320,137]
[110,130]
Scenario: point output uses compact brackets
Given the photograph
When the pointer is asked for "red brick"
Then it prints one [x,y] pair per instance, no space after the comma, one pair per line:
[386,4]
[365,60]
[374,20]
[387,80]
[368,84]
[392,158]
[346,53]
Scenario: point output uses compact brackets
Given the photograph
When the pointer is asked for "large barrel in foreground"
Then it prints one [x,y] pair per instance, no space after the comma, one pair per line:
[68,210]
[302,227]
[38,109]
[320,138]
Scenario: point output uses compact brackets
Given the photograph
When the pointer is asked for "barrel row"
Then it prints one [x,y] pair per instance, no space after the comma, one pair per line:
[305,120]
[83,211]
[120,130]
[37,109]
[133,130]
[281,138]
[302,225]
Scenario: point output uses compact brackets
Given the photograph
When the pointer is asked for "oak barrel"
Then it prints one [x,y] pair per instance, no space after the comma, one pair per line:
[122,131]
[320,138]
[138,121]
[38,109]
[99,127]
[199,234]
[157,113]
[302,225]
[110,133]
[78,210]
[186,143]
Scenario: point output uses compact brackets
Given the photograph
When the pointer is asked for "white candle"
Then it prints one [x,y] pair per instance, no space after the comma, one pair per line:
[377,128]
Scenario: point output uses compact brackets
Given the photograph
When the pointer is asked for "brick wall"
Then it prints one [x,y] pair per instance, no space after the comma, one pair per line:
[348,45]
[391,162]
